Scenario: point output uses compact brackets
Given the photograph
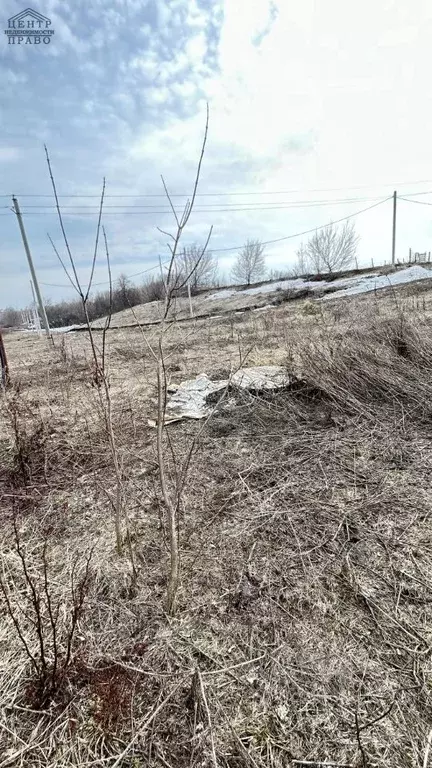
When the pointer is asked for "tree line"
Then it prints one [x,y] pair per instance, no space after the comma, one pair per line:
[329,250]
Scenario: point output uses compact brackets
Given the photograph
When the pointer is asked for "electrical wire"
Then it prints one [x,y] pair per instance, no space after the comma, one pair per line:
[245,207]
[308,231]
[164,213]
[237,247]
[419,202]
[125,209]
[210,206]
[222,194]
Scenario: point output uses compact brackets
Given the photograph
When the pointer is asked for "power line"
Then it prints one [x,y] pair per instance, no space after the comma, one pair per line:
[139,210]
[164,213]
[215,206]
[307,231]
[210,206]
[419,202]
[224,194]
[412,194]
[237,247]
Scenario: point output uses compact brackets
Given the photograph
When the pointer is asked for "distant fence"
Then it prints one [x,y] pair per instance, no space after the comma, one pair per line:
[418,258]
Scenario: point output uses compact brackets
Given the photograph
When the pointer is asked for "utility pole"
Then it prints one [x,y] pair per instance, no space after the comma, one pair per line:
[32,269]
[394,228]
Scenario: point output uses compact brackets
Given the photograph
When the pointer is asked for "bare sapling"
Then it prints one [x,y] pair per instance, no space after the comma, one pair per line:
[174,280]
[100,375]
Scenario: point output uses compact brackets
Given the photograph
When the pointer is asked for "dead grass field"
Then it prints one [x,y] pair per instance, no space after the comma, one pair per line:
[304,626]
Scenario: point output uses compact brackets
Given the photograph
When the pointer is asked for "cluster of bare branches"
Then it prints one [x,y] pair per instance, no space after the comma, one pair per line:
[250,265]
[192,266]
[330,249]
[198,266]
[38,617]
[100,375]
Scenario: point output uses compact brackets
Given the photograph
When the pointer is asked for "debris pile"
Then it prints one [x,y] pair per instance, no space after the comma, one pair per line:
[189,400]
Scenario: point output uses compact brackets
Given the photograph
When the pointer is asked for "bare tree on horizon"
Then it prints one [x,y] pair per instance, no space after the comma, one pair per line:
[329,249]
[250,264]
[200,268]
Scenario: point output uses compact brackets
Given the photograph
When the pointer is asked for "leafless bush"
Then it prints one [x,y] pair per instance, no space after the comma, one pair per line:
[153,289]
[278,274]
[10,317]
[38,617]
[200,268]
[124,294]
[302,265]
[29,437]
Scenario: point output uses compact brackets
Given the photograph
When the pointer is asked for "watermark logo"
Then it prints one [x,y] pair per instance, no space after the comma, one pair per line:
[29,28]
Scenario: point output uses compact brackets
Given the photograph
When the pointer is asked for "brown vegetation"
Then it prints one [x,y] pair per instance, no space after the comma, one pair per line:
[304,622]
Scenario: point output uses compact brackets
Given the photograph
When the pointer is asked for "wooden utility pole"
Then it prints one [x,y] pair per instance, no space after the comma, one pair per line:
[32,269]
[394,228]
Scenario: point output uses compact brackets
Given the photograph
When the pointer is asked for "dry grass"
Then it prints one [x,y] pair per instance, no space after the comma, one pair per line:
[304,629]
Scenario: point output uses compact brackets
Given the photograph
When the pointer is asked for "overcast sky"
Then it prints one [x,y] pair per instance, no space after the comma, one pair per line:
[309,101]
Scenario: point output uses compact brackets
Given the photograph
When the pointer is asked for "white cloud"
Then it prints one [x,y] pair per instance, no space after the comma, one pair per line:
[196,47]
[325,99]
[9,154]
[303,96]
[9,77]
[157,95]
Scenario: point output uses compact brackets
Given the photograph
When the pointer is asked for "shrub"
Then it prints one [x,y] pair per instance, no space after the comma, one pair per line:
[43,626]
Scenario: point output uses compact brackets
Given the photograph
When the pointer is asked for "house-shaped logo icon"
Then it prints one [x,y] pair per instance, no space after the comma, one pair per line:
[29,26]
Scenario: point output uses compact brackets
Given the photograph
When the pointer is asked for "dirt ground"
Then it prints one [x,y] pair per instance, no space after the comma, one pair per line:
[304,623]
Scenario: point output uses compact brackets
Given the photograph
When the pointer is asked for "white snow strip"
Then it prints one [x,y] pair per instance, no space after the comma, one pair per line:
[409,275]
[66,328]
[226,293]
[346,286]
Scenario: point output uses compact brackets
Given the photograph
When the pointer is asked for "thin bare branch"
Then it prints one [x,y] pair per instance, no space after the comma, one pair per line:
[170,201]
[63,264]
[96,242]
[60,217]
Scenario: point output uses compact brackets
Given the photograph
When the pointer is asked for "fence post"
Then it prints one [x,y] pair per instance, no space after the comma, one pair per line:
[394,228]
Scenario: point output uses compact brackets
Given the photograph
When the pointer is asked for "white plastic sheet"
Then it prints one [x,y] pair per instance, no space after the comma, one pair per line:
[189,401]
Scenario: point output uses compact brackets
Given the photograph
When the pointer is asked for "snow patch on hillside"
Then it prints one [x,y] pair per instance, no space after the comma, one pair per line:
[347,286]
